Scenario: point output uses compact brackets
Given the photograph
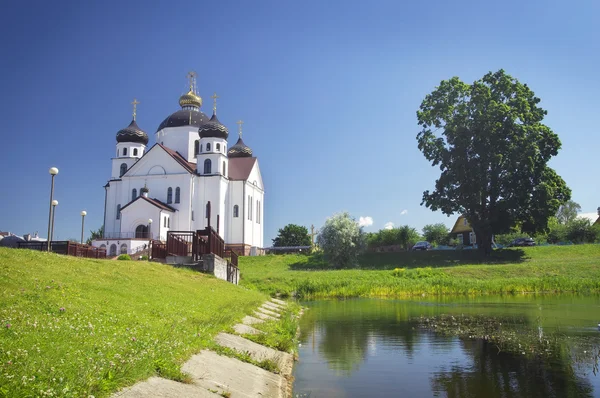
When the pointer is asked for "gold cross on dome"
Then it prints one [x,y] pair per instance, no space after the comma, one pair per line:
[239,123]
[134,103]
[192,78]
[214,97]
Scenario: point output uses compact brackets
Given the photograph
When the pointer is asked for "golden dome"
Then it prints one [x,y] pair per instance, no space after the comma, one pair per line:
[190,99]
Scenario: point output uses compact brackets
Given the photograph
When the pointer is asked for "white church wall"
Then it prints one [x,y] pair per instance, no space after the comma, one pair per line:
[213,189]
[180,139]
[234,233]
[253,230]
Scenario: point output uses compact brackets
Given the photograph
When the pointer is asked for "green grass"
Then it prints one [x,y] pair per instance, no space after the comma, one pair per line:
[74,327]
[279,334]
[535,269]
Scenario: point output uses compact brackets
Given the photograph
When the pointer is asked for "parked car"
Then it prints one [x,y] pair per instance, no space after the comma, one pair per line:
[422,246]
[522,242]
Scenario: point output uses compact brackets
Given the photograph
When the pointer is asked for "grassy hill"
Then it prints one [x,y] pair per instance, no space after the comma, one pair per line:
[74,327]
[533,269]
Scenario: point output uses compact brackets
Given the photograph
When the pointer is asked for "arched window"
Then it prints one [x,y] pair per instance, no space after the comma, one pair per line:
[208,146]
[135,152]
[123,169]
[123,248]
[207,166]
[196,147]
[168,222]
[133,194]
[165,222]
[124,151]
[258,212]
[141,231]
[224,169]
[207,210]
[236,211]
[177,195]
[200,147]
[218,147]
[113,250]
[170,195]
[118,212]
[249,207]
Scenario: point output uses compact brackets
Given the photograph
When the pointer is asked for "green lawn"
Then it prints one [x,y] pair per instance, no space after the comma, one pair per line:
[75,327]
[527,270]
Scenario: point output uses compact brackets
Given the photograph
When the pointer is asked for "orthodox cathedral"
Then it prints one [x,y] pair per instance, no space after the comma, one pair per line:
[189,178]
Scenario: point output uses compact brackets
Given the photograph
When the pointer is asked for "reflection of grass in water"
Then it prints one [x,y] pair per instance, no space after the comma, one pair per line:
[516,336]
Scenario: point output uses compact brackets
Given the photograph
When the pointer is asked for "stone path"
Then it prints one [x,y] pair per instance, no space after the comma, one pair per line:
[215,375]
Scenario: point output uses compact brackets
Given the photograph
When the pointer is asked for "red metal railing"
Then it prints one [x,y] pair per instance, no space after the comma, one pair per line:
[159,249]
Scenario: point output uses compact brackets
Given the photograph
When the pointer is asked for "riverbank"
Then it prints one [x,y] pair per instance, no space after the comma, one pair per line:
[75,327]
[556,269]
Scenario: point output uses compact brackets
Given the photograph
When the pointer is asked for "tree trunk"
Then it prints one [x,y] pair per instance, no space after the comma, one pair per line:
[483,237]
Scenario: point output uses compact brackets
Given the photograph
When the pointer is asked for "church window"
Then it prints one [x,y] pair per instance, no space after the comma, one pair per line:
[208,146]
[196,147]
[177,195]
[123,248]
[192,215]
[123,169]
[165,222]
[168,222]
[258,212]
[207,165]
[118,212]
[133,194]
[170,195]
[124,151]
[249,207]
[207,210]
[135,152]
[200,147]
[224,169]
[218,148]
[236,211]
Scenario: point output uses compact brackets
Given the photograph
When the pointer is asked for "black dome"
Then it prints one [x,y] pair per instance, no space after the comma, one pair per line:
[213,128]
[132,133]
[239,150]
[182,118]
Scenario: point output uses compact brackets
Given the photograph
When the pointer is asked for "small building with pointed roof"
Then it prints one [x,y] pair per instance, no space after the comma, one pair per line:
[186,179]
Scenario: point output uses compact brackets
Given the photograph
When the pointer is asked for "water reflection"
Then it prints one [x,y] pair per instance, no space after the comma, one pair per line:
[379,347]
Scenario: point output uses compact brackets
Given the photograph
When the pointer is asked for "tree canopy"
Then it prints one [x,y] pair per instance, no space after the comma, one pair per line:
[489,142]
[567,213]
[342,240]
[436,233]
[98,234]
[292,235]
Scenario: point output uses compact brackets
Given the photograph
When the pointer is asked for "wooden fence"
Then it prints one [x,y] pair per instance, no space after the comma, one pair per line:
[66,247]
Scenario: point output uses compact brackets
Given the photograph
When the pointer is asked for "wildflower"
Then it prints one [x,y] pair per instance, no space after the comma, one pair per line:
[133,339]
[8,325]
[62,309]
[47,287]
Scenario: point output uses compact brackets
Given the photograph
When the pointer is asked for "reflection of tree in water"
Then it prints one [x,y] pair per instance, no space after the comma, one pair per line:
[346,328]
[504,374]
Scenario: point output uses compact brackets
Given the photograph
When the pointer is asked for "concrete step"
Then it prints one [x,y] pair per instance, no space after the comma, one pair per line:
[216,372]
[272,306]
[164,388]
[250,320]
[264,317]
[280,302]
[268,312]
[240,328]
[256,351]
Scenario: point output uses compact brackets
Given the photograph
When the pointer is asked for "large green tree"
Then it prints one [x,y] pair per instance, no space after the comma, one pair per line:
[342,240]
[292,235]
[438,233]
[568,212]
[489,142]
[98,234]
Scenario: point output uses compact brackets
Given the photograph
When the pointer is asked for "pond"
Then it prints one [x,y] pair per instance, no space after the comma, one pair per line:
[518,346]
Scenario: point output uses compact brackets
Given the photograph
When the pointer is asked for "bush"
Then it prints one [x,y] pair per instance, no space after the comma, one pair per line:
[582,231]
[342,240]
[506,239]
[144,258]
[124,257]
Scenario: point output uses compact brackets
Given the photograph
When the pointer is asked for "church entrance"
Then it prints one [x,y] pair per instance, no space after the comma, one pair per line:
[141,231]
[113,250]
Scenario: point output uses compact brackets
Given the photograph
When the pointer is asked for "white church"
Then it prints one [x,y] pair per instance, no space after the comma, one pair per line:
[169,185]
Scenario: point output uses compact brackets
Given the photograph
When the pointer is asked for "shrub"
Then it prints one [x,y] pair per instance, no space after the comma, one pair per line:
[124,257]
[505,239]
[144,258]
[342,240]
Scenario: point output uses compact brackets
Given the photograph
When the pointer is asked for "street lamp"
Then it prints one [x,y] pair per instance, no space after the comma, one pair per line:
[83,214]
[149,239]
[54,204]
[53,171]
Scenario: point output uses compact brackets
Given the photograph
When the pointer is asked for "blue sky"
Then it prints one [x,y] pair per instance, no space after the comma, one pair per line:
[328,92]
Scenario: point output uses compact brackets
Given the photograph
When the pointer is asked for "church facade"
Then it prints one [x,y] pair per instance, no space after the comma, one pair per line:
[189,178]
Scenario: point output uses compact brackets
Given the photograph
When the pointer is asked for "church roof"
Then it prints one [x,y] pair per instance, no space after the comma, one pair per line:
[184,118]
[213,128]
[189,166]
[153,201]
[132,133]
[240,168]
[239,150]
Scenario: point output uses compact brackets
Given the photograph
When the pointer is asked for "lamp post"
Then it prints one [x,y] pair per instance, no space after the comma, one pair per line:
[83,214]
[149,239]
[53,171]
[54,204]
